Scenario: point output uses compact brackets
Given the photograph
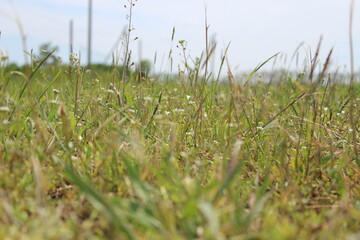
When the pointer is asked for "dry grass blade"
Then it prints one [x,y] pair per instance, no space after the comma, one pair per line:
[66,124]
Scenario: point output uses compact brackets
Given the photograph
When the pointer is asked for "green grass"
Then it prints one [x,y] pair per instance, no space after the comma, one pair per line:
[175,159]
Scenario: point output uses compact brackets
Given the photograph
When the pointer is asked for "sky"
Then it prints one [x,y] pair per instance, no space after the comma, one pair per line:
[255,29]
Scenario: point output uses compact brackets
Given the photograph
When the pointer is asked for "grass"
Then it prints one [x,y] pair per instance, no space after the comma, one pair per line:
[176,161]
[109,154]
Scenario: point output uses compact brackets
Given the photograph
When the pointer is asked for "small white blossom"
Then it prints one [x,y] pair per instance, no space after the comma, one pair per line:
[54,101]
[198,163]
[191,132]
[188,97]
[326,109]
[4,109]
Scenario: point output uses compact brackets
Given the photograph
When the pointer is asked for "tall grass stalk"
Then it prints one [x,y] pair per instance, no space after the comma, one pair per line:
[351,86]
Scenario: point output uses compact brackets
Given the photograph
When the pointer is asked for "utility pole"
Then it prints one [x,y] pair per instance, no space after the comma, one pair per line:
[71,49]
[71,37]
[89,33]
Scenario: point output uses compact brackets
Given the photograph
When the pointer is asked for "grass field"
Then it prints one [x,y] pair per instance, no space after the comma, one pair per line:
[109,153]
[84,155]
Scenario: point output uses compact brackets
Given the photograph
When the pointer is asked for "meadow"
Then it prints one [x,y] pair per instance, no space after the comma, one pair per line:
[85,154]
[118,153]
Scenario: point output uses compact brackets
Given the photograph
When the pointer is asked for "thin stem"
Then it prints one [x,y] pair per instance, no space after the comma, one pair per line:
[352,80]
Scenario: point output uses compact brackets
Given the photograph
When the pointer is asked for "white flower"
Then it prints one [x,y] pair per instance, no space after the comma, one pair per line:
[4,109]
[325,108]
[54,101]
[191,132]
[188,97]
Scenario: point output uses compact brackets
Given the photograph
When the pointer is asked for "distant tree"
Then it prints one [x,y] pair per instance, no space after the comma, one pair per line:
[145,68]
[44,50]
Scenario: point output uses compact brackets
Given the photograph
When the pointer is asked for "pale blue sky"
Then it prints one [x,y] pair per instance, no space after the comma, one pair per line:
[257,29]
